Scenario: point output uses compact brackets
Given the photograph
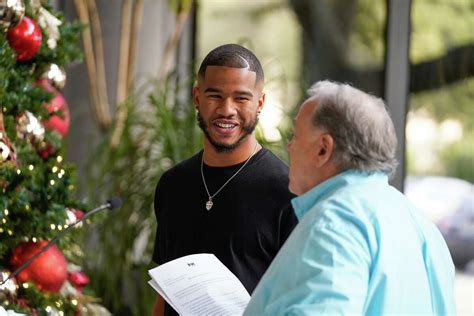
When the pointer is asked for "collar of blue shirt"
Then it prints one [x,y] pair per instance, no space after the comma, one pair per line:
[303,203]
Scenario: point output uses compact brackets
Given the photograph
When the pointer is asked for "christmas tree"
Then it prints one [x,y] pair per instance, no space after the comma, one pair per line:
[37,199]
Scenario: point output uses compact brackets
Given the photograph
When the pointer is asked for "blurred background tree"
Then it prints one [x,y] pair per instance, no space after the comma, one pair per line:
[345,41]
[440,124]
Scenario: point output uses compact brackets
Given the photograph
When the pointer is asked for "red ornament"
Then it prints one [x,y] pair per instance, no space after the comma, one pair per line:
[59,123]
[79,280]
[48,271]
[45,151]
[73,215]
[78,213]
[25,39]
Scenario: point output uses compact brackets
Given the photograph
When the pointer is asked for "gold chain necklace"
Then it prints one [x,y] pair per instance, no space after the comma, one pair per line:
[209,203]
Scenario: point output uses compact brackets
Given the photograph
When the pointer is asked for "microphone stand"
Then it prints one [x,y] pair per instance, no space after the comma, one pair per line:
[53,241]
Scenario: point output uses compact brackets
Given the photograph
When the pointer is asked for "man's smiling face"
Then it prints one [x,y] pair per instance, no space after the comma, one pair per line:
[228,100]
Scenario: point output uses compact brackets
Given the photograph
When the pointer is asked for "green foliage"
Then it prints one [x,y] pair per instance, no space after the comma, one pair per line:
[33,202]
[17,90]
[36,191]
[64,53]
[16,85]
[157,135]
[42,300]
[438,26]
[450,102]
[458,159]
[453,102]
[366,38]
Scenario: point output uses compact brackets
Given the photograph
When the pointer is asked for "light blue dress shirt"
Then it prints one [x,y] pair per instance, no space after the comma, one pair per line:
[360,248]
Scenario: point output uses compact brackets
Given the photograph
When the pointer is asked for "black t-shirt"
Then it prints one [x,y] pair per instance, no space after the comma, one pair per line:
[248,223]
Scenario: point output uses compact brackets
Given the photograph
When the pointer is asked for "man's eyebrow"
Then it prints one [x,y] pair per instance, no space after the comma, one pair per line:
[243,92]
[239,92]
[212,90]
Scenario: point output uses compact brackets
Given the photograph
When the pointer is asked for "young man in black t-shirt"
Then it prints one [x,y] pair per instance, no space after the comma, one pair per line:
[230,199]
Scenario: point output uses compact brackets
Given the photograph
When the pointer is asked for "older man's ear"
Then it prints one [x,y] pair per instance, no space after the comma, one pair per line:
[324,150]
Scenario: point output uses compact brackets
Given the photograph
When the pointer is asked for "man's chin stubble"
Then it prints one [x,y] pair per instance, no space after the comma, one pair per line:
[223,148]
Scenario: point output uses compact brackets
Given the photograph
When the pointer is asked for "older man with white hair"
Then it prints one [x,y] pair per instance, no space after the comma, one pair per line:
[360,247]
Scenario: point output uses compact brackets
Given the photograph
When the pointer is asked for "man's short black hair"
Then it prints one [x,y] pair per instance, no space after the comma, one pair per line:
[232,55]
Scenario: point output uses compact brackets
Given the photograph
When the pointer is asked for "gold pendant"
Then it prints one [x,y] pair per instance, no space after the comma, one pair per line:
[209,204]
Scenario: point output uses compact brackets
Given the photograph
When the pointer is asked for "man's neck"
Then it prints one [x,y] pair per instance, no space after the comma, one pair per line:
[236,156]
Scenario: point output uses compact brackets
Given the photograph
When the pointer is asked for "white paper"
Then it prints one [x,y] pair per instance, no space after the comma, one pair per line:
[157,288]
[200,285]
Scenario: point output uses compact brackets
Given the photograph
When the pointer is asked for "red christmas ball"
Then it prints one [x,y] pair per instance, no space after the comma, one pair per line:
[48,271]
[45,151]
[79,280]
[59,123]
[25,39]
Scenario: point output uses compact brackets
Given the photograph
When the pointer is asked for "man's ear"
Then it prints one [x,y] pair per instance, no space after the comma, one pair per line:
[196,94]
[261,102]
[324,149]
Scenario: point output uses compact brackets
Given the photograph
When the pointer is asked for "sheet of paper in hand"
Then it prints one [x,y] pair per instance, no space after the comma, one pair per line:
[199,285]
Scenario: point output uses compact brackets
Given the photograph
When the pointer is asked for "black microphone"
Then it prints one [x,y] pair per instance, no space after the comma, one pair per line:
[111,204]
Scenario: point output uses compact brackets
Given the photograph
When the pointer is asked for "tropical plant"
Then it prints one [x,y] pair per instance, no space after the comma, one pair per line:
[156,135]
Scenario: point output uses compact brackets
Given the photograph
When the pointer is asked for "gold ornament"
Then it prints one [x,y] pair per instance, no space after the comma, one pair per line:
[11,12]
[9,289]
[50,24]
[30,128]
[55,75]
[35,6]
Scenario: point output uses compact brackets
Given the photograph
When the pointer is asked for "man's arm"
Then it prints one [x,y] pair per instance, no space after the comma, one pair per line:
[159,307]
[323,269]
[335,276]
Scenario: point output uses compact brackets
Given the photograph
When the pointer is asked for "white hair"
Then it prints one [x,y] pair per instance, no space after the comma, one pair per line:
[363,132]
